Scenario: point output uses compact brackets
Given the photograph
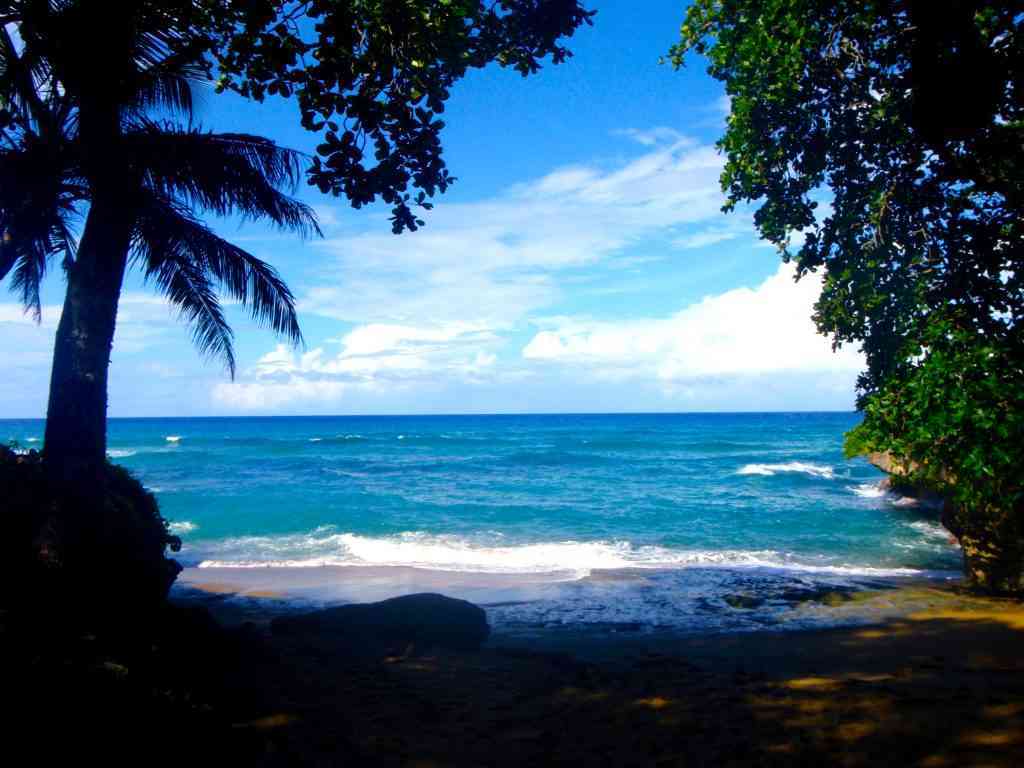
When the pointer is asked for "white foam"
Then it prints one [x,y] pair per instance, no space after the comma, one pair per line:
[767,470]
[315,439]
[931,530]
[120,453]
[32,440]
[868,491]
[182,526]
[173,438]
[453,553]
[906,501]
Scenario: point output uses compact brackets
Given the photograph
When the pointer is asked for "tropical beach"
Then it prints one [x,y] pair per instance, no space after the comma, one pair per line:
[517,383]
[939,686]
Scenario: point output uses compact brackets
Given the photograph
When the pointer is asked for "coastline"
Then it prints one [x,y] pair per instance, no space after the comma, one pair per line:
[939,684]
[256,596]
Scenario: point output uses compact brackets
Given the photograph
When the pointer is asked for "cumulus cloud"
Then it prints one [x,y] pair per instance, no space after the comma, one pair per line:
[745,331]
[372,357]
[433,310]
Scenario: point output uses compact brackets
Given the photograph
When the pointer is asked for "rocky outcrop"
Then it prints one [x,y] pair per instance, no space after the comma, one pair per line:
[992,540]
[419,622]
[898,480]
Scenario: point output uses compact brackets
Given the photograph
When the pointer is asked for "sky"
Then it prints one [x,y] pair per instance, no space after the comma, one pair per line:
[581,263]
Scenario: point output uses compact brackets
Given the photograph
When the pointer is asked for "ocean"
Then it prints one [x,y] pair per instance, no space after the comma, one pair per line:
[697,521]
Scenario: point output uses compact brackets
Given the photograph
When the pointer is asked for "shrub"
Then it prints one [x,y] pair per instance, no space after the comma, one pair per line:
[108,559]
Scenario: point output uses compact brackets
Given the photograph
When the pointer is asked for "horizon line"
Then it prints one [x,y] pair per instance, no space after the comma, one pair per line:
[464,414]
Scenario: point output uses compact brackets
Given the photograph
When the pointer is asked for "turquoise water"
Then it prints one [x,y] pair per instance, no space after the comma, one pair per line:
[701,501]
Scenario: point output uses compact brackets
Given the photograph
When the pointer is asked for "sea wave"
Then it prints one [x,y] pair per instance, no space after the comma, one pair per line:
[931,530]
[577,559]
[120,453]
[182,526]
[869,491]
[173,438]
[768,470]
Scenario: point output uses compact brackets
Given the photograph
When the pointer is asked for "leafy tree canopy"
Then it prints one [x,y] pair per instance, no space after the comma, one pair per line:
[889,135]
[372,76]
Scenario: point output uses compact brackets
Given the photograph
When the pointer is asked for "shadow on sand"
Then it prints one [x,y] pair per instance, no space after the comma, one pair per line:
[933,689]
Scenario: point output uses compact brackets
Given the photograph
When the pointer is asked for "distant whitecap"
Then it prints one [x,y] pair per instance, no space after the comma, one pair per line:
[768,470]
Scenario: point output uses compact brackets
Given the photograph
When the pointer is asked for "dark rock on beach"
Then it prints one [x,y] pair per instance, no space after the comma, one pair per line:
[419,622]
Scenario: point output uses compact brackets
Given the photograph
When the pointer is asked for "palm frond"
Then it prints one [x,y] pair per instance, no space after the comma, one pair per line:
[21,80]
[27,278]
[188,289]
[39,192]
[168,72]
[167,91]
[225,173]
[168,233]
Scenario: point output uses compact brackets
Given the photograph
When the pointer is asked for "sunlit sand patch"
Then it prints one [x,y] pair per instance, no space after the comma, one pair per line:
[1004,710]
[654,702]
[813,683]
[855,731]
[992,738]
[270,721]
[1011,616]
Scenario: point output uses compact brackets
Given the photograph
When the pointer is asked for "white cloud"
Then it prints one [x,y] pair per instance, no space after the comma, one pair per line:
[654,136]
[15,314]
[744,331]
[494,262]
[709,236]
[433,309]
[372,357]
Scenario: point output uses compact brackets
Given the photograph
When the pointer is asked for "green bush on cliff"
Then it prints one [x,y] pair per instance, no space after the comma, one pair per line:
[54,555]
[956,420]
[884,145]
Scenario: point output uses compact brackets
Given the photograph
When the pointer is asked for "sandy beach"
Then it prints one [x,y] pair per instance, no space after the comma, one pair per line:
[941,684]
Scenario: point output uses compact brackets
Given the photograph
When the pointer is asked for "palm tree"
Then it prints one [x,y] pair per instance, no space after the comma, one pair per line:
[100,130]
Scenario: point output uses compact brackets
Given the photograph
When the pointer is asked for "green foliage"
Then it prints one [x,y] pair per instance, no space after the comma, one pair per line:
[113,555]
[165,170]
[890,135]
[843,99]
[372,77]
[959,414]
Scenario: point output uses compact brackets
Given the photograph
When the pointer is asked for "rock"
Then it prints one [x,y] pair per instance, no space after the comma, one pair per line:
[421,621]
[744,602]
[899,481]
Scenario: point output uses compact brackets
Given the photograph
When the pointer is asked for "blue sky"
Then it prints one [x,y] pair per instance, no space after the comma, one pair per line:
[580,263]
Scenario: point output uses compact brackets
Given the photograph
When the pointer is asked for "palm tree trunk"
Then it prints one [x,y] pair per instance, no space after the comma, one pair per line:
[76,420]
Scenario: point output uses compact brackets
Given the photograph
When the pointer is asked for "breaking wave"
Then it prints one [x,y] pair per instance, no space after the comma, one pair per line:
[323,547]
[768,470]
